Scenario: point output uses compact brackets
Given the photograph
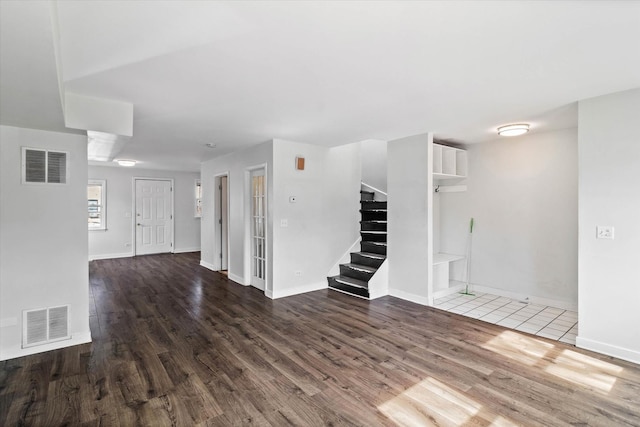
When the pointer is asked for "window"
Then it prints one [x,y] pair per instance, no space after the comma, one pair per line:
[44,166]
[198,199]
[97,204]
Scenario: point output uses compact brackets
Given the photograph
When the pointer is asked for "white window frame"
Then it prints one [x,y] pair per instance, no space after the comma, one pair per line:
[198,200]
[46,167]
[102,203]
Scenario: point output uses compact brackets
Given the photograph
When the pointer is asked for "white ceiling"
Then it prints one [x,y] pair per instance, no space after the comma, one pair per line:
[237,74]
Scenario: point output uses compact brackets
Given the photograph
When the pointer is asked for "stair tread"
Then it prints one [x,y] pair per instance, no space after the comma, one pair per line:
[377,221]
[351,281]
[371,255]
[374,231]
[373,210]
[375,243]
[361,267]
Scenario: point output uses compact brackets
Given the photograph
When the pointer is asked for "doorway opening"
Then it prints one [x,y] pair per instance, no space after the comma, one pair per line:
[222,223]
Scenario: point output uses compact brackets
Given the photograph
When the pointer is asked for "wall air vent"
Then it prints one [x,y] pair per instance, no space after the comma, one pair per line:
[44,166]
[45,325]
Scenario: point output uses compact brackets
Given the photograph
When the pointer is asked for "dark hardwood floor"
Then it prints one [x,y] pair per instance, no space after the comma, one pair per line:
[176,344]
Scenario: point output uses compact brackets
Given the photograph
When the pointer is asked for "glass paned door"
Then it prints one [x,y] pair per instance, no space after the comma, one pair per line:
[258,229]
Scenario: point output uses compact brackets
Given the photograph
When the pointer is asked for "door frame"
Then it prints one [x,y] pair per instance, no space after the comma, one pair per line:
[133,212]
[217,179]
[247,227]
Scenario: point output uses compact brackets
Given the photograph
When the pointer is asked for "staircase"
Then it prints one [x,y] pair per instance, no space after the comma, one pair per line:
[354,277]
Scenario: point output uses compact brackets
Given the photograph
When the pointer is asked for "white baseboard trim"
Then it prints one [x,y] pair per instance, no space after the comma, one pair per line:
[207,265]
[235,278]
[608,349]
[298,290]
[185,250]
[454,287]
[76,339]
[565,305]
[407,296]
[110,256]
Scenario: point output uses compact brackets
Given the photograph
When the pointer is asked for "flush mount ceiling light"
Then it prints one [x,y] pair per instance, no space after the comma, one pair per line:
[210,145]
[513,130]
[127,163]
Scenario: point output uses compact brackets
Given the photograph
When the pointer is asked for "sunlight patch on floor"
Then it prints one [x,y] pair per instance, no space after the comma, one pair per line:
[519,347]
[585,371]
[502,422]
[431,402]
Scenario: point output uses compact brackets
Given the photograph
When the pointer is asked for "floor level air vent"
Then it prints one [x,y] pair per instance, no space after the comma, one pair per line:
[45,325]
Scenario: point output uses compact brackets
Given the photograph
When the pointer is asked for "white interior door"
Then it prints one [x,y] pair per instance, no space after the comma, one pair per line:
[258,229]
[154,216]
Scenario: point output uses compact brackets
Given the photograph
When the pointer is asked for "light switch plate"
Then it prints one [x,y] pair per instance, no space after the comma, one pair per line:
[604,232]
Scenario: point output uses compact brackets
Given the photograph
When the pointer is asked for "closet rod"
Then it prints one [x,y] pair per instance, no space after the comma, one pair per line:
[449,188]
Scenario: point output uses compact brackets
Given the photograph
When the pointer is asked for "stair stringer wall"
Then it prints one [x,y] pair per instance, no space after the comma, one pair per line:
[345,258]
[379,195]
[379,283]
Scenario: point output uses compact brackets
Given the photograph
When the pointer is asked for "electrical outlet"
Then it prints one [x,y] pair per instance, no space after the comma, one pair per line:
[298,273]
[284,223]
[127,245]
[604,232]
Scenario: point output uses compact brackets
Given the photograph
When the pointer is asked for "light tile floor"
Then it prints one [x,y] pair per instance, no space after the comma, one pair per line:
[548,322]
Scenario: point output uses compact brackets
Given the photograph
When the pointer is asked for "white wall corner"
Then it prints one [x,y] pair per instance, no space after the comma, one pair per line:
[237,279]
[98,114]
[418,299]
[186,250]
[207,265]
[299,290]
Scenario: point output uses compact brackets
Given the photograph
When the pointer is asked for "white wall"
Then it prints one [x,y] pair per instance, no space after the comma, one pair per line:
[235,165]
[98,114]
[117,240]
[522,193]
[409,216]
[324,221]
[43,240]
[609,271]
[374,163]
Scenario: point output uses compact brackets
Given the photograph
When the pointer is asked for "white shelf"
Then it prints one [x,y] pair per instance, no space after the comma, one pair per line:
[441,258]
[446,176]
[437,159]
[441,281]
[449,162]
